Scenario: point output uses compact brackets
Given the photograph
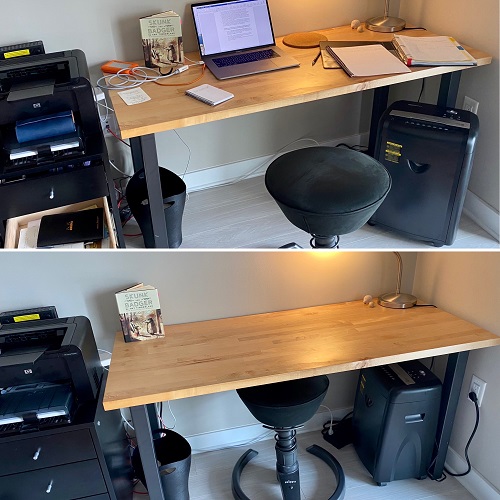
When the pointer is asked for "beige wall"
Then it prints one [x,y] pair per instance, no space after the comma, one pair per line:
[475,24]
[467,284]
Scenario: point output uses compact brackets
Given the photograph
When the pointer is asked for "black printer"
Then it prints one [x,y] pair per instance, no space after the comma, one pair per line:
[54,433]
[48,368]
[46,171]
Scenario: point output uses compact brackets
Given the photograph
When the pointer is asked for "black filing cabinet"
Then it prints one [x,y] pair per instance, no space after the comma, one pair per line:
[88,459]
[428,151]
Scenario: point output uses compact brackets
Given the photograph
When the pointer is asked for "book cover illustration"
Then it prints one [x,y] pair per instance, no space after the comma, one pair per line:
[162,39]
[140,313]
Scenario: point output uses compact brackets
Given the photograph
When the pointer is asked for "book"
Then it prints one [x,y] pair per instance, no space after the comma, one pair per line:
[209,94]
[162,39]
[432,51]
[140,313]
[367,60]
[71,227]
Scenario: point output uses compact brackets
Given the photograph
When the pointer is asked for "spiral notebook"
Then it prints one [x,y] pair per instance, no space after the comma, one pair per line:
[209,94]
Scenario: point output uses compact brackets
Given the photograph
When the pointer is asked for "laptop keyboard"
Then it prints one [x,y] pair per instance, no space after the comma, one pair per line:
[259,55]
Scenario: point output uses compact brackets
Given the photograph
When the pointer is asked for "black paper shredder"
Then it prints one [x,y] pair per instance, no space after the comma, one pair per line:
[395,419]
[428,151]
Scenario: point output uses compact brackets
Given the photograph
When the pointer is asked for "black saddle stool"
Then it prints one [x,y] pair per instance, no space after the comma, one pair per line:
[283,407]
[327,191]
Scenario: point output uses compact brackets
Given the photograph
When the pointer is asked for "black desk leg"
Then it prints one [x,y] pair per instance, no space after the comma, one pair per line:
[380,98]
[448,89]
[452,383]
[144,418]
[144,156]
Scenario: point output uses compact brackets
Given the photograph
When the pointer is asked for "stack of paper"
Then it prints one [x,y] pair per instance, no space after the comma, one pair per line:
[367,60]
[432,51]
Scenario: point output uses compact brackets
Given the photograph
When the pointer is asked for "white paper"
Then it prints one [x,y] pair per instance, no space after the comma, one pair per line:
[370,60]
[134,96]
[433,48]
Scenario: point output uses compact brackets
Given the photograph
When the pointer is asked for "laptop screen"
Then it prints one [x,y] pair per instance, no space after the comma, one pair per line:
[232,25]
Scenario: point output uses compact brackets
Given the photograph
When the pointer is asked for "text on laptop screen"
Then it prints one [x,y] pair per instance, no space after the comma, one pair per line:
[233,25]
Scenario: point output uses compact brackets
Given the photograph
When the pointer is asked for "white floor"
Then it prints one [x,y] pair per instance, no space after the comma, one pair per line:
[210,477]
[243,215]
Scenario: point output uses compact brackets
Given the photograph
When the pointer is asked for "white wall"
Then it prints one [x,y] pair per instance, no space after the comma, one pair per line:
[474,24]
[196,286]
[467,284]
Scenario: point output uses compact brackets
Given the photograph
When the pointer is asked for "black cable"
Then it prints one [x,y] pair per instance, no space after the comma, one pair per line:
[473,397]
[421,90]
[165,74]
[432,363]
[356,147]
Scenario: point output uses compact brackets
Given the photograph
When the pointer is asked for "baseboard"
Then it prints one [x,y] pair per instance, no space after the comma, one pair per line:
[482,214]
[473,482]
[233,172]
[248,434]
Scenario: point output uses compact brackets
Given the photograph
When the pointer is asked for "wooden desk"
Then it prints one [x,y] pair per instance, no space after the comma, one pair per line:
[226,354]
[170,108]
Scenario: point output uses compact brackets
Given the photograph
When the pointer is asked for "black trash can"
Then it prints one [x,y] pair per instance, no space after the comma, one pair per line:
[173,452]
[173,191]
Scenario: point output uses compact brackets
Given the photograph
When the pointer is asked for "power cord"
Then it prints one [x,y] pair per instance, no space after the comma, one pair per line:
[473,398]
[135,77]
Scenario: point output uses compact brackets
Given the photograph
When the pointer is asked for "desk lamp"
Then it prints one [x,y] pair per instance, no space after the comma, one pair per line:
[397,300]
[385,23]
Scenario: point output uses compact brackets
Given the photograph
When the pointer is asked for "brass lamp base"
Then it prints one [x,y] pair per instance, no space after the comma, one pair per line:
[385,24]
[397,300]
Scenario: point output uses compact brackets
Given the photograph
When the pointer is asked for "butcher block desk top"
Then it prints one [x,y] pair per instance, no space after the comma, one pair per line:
[169,107]
[225,354]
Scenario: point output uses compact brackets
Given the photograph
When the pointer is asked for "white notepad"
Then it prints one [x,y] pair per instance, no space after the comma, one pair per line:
[209,94]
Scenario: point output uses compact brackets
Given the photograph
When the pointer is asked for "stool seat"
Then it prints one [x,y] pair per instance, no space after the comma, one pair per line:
[285,404]
[327,191]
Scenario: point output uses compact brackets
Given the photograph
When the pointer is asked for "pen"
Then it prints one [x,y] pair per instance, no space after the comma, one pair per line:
[316,58]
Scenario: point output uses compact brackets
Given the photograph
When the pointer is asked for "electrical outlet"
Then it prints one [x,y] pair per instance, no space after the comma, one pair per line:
[108,121]
[478,386]
[470,105]
[105,124]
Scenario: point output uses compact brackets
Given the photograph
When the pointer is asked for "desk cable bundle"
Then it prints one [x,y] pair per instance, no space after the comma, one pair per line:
[134,77]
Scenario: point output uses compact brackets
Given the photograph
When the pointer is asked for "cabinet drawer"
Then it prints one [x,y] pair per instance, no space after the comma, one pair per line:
[14,225]
[65,482]
[35,452]
[43,193]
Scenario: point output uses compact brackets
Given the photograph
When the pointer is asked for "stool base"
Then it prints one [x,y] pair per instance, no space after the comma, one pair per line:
[287,492]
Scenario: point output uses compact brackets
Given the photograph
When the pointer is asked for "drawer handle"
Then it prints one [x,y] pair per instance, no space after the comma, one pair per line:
[51,194]
[37,454]
[49,487]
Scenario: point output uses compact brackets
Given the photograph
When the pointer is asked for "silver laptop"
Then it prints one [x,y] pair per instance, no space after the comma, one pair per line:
[236,38]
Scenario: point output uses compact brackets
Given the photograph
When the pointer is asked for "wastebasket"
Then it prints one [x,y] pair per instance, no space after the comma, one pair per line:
[173,452]
[173,191]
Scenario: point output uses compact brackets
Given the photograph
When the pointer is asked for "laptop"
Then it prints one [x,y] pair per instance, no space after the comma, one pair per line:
[236,38]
